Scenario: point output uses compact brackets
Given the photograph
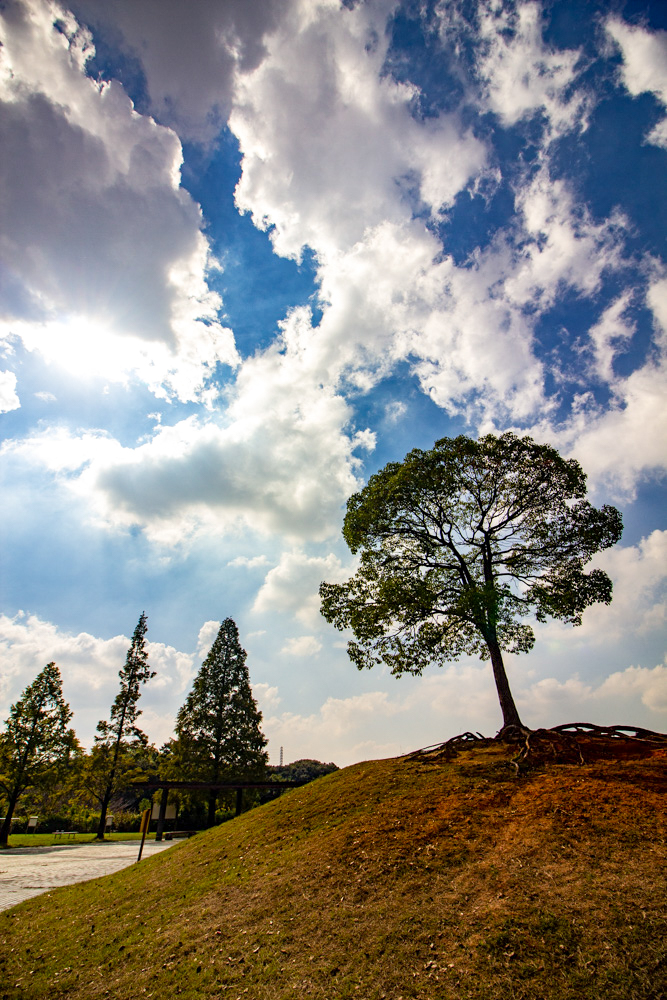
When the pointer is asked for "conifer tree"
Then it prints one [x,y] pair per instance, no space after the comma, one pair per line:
[121,735]
[37,743]
[218,728]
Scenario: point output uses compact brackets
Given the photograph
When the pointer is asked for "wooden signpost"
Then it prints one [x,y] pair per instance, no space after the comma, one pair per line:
[143,829]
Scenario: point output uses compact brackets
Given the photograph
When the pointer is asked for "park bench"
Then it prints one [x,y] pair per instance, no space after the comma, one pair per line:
[70,834]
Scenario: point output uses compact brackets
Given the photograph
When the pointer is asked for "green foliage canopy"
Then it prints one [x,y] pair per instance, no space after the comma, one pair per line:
[37,743]
[218,734]
[116,740]
[459,544]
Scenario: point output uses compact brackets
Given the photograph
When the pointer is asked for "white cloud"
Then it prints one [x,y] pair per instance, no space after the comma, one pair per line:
[330,150]
[521,75]
[644,66]
[612,332]
[267,696]
[292,586]
[394,411]
[190,54]
[620,445]
[564,246]
[657,301]
[387,291]
[475,342]
[639,605]
[658,134]
[635,693]
[108,257]
[249,562]
[650,685]
[303,645]
[329,144]
[206,637]
[8,397]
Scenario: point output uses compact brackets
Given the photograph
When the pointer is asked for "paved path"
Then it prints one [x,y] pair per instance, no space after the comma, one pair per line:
[28,871]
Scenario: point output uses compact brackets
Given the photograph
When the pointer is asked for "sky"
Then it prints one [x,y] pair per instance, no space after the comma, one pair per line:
[251,251]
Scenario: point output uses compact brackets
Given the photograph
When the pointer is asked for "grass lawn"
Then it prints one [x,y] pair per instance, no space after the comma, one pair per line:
[47,839]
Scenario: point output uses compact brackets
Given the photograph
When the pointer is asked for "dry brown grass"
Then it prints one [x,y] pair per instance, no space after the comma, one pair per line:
[408,878]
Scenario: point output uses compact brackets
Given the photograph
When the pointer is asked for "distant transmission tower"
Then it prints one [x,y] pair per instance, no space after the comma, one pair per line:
[281,756]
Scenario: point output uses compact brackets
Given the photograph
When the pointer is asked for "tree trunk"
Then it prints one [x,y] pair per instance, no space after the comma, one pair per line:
[103,813]
[212,798]
[507,706]
[7,824]
[112,775]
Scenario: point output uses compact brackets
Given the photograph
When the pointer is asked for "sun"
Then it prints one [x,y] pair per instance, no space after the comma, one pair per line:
[88,348]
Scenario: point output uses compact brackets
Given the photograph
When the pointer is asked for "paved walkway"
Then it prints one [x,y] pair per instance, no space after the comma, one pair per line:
[29,871]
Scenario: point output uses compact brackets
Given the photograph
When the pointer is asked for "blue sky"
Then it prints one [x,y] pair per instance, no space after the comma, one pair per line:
[252,251]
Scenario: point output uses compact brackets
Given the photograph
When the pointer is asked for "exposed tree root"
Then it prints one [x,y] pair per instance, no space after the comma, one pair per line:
[570,743]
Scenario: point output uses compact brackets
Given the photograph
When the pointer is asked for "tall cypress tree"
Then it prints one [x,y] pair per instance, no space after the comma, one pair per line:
[121,732]
[36,742]
[218,728]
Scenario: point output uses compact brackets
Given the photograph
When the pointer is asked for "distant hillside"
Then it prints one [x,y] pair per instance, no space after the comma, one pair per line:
[409,878]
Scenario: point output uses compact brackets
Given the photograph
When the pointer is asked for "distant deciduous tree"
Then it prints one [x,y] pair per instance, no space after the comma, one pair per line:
[118,740]
[304,770]
[218,735]
[37,743]
[458,545]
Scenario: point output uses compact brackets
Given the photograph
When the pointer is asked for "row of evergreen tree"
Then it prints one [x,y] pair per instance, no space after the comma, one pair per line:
[218,734]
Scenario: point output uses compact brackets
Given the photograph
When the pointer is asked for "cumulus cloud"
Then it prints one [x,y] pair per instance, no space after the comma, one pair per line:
[249,562]
[267,696]
[620,445]
[190,55]
[302,645]
[644,66]
[8,397]
[519,73]
[620,699]
[476,341]
[639,574]
[564,246]
[387,290]
[650,685]
[610,334]
[317,115]
[206,637]
[108,260]
[334,158]
[292,586]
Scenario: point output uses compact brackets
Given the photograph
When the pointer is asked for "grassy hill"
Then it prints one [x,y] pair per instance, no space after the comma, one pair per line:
[416,877]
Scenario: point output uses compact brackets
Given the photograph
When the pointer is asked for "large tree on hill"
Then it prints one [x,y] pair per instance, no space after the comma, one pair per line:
[118,739]
[458,545]
[218,735]
[37,743]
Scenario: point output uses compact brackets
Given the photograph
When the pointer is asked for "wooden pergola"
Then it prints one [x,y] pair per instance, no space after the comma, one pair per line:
[206,786]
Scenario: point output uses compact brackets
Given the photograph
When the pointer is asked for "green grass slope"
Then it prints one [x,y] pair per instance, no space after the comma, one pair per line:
[391,879]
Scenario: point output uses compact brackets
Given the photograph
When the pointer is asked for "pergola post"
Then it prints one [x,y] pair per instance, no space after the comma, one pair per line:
[163,812]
